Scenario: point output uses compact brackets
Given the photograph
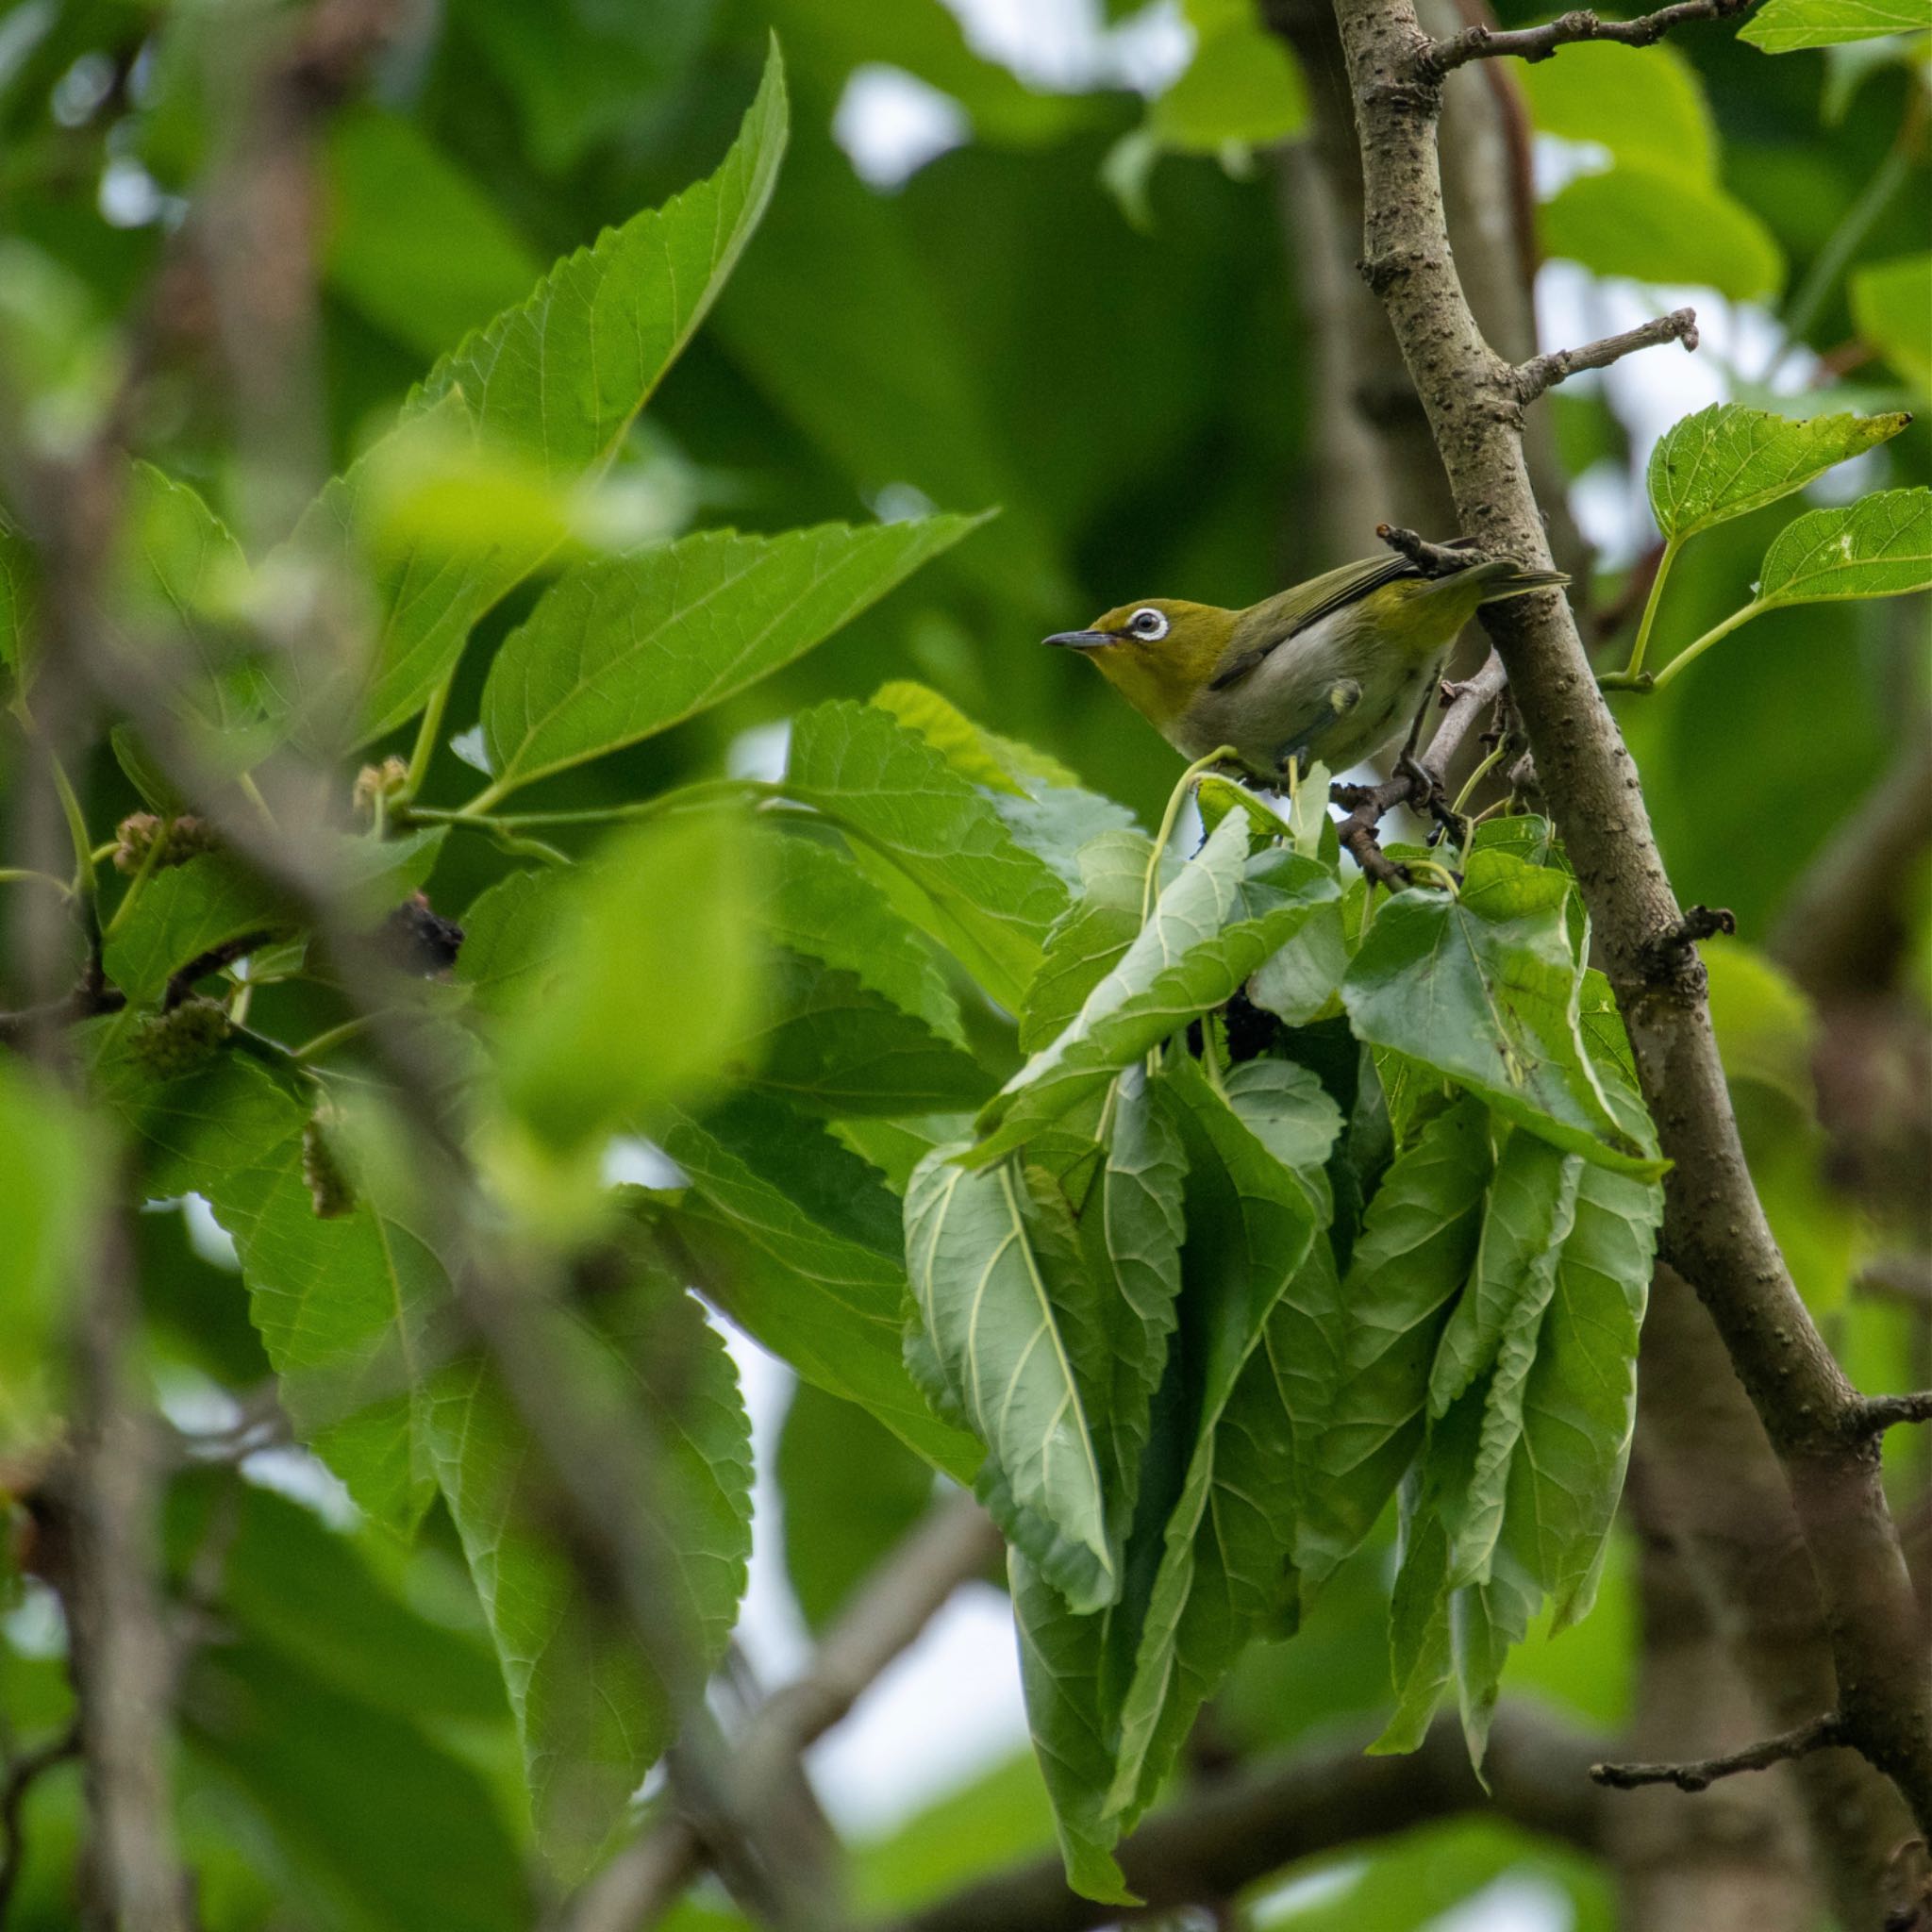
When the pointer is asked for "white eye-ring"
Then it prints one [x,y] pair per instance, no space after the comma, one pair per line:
[1148,623]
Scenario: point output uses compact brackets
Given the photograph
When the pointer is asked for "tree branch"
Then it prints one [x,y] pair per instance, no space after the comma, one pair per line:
[1438,57]
[1541,372]
[1208,1848]
[952,1542]
[122,1657]
[1701,1773]
[1432,559]
[1714,1232]
[21,1774]
[1877,1413]
[1846,924]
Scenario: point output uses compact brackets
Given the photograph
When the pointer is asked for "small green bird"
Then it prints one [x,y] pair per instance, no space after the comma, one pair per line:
[1329,670]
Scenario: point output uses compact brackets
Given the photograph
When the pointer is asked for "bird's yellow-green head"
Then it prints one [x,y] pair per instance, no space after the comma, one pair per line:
[1158,653]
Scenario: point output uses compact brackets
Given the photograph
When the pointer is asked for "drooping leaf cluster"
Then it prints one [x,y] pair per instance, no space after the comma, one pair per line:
[1199,1212]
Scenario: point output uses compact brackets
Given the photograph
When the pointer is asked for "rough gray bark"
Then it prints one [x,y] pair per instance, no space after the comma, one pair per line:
[1714,1232]
[1705,1482]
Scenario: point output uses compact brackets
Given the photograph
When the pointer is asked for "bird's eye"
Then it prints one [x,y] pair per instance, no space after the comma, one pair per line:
[1147,624]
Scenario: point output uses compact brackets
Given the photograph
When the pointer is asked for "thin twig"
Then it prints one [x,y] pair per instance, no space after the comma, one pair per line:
[1877,1413]
[1418,785]
[182,985]
[21,1773]
[1665,954]
[83,1003]
[1904,1279]
[1701,1773]
[1541,372]
[1432,559]
[1539,43]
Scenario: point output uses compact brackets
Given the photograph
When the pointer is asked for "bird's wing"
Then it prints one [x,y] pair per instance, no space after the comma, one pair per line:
[1279,618]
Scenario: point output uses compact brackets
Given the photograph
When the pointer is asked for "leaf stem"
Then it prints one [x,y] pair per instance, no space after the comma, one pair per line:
[1843,243]
[249,790]
[1633,669]
[1475,778]
[428,734]
[21,874]
[1704,642]
[1174,799]
[326,1043]
[686,798]
[142,874]
[86,880]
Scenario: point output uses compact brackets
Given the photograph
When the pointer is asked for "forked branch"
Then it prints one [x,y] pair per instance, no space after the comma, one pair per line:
[1701,1773]
[1539,43]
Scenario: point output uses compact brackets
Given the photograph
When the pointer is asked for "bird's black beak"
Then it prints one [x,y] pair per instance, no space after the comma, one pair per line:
[1082,639]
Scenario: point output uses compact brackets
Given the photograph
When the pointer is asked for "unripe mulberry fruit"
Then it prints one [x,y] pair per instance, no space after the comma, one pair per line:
[179,1040]
[180,839]
[329,1192]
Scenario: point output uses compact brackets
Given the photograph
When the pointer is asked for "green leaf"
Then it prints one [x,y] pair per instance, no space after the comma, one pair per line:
[376,1824]
[186,910]
[1201,1566]
[557,380]
[1090,937]
[509,940]
[1243,85]
[181,913]
[796,1239]
[346,1305]
[1208,930]
[1130,1232]
[1580,1401]
[1527,1219]
[412,242]
[850,1492]
[560,377]
[831,1046]
[1727,459]
[48,1187]
[1299,982]
[1784,26]
[1475,1518]
[1482,987]
[1880,546]
[338,1605]
[819,902]
[668,905]
[19,598]
[931,841]
[1044,806]
[617,651]
[1411,1258]
[1659,225]
[1644,105]
[1890,301]
[1071,1671]
[180,585]
[1259,1324]
[591,1711]
[1001,1350]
